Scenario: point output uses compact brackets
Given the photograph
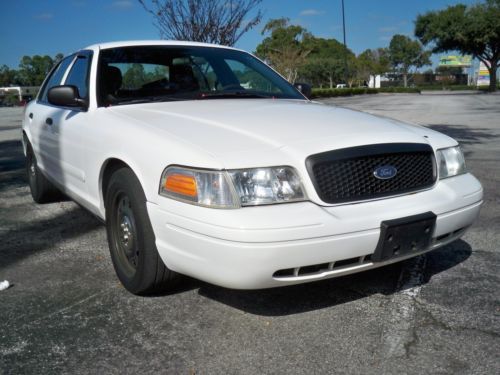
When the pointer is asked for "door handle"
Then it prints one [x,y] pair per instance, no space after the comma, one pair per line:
[31,115]
[49,121]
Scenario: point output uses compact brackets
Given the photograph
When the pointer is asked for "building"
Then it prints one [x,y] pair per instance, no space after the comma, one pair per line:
[462,62]
[23,93]
[456,61]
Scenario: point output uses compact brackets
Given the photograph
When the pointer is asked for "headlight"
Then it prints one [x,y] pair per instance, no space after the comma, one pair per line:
[232,189]
[450,161]
[267,185]
[196,186]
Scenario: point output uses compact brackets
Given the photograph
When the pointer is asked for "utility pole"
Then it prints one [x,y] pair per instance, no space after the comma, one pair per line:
[346,69]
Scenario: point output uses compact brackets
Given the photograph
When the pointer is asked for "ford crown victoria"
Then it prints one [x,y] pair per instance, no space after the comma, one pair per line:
[204,161]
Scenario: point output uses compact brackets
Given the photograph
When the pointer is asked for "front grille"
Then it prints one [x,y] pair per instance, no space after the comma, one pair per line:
[348,174]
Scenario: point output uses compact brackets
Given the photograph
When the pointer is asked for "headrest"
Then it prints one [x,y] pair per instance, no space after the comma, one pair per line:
[183,76]
[111,79]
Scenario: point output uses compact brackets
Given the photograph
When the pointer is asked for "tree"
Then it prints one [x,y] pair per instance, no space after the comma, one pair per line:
[33,70]
[209,21]
[325,48]
[325,62]
[373,62]
[11,100]
[406,53]
[471,30]
[134,77]
[284,48]
[7,76]
[58,58]
[321,70]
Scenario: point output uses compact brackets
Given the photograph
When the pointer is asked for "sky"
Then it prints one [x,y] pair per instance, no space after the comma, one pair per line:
[31,27]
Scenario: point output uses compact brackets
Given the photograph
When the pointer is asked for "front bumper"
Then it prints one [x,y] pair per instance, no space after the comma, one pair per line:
[244,248]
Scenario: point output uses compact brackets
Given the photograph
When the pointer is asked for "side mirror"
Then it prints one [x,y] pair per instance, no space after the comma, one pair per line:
[304,88]
[66,96]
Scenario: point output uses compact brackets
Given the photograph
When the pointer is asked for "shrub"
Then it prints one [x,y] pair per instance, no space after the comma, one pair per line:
[11,100]
[446,87]
[329,93]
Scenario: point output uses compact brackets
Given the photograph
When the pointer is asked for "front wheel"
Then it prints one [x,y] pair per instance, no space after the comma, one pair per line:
[131,238]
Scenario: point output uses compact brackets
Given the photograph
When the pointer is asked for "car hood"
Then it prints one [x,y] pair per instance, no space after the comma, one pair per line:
[258,132]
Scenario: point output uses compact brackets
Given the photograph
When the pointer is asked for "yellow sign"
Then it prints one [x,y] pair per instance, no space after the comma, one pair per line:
[458,61]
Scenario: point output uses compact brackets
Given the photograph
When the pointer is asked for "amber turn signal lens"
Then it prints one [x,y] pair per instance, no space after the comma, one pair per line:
[181,184]
[201,187]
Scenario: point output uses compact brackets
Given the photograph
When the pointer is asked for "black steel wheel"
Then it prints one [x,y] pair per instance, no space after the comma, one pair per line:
[125,234]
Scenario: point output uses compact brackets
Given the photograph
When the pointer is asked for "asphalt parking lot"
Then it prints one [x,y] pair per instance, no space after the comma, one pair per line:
[439,313]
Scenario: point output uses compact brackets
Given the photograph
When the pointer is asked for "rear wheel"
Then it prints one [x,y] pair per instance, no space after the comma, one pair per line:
[131,238]
[42,190]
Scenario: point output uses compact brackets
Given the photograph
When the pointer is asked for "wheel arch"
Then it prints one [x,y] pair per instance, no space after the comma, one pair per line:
[109,166]
[25,141]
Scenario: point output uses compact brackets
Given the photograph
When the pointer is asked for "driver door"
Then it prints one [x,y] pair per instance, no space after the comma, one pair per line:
[57,130]
[71,123]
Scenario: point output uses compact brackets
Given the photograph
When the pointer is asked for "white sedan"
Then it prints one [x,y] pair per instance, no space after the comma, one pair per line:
[204,161]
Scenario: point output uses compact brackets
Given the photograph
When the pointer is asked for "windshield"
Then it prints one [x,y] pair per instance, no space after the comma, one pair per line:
[141,74]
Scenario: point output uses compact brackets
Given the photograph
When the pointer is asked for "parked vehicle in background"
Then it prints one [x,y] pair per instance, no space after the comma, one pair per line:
[204,161]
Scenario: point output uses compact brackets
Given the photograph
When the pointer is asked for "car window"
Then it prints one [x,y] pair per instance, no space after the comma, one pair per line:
[55,77]
[136,75]
[203,72]
[249,78]
[206,75]
[79,75]
[139,74]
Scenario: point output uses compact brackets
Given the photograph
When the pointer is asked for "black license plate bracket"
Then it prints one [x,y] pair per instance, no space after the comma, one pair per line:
[400,237]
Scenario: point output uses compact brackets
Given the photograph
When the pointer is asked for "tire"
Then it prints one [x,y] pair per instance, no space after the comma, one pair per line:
[42,190]
[131,238]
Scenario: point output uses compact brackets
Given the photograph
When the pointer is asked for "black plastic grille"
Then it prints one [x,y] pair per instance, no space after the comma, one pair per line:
[348,174]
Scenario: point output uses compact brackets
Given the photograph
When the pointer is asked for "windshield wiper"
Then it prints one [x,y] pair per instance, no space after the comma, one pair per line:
[232,94]
[148,99]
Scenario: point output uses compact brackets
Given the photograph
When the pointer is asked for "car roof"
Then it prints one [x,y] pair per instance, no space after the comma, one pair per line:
[130,43]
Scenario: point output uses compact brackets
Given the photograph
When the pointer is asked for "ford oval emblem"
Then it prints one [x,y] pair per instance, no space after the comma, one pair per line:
[385,172]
